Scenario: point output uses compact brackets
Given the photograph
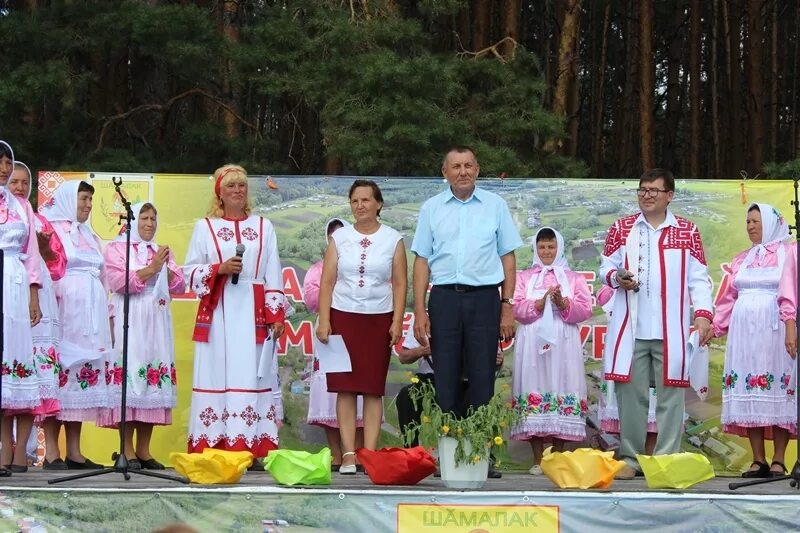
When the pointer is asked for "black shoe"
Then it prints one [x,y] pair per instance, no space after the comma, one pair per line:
[257,466]
[772,472]
[17,469]
[134,464]
[763,470]
[57,464]
[494,473]
[335,468]
[85,465]
[438,473]
[5,472]
[150,464]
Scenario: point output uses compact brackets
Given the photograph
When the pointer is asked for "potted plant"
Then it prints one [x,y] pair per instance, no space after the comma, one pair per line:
[465,443]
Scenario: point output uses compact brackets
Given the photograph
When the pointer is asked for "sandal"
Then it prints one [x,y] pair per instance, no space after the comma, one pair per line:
[348,470]
[775,473]
[763,470]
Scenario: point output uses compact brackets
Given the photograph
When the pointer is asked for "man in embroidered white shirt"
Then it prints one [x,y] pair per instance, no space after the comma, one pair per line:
[656,263]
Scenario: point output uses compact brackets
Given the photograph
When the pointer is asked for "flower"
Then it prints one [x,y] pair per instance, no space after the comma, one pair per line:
[415,380]
[88,375]
[476,433]
[506,387]
[153,376]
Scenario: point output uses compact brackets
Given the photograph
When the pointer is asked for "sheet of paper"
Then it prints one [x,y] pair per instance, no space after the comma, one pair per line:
[698,365]
[333,357]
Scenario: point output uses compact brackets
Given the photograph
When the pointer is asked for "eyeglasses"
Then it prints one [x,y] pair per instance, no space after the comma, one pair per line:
[653,193]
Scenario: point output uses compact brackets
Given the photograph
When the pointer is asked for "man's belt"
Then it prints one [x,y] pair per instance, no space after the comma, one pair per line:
[458,287]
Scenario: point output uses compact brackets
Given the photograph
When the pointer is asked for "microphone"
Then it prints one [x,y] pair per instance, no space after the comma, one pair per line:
[627,275]
[239,253]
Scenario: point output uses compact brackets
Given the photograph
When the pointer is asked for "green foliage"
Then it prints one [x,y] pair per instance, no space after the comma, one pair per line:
[307,80]
[785,170]
[483,428]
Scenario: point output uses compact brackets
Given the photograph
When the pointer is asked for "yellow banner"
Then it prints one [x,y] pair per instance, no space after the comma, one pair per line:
[416,518]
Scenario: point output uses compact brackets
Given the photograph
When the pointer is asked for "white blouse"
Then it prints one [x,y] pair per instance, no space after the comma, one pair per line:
[364,270]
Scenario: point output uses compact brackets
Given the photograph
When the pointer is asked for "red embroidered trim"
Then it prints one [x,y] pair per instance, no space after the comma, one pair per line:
[702,313]
[205,311]
[260,447]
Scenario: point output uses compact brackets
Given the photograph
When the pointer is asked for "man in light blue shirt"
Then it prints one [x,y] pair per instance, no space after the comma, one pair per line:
[464,246]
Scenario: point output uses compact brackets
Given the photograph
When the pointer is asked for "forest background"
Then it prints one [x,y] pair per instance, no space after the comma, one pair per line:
[546,88]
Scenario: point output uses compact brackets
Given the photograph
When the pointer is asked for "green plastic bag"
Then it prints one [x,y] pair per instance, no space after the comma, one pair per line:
[676,470]
[293,467]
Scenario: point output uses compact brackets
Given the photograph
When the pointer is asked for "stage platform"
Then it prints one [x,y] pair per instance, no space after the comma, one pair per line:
[517,502]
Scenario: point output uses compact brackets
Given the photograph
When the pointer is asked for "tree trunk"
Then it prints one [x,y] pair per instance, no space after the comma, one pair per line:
[774,98]
[597,143]
[795,150]
[511,26]
[669,157]
[627,108]
[734,99]
[566,64]
[481,22]
[715,89]
[755,85]
[230,30]
[694,87]
[464,31]
[646,84]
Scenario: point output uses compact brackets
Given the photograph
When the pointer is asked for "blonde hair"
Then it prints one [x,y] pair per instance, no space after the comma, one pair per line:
[230,174]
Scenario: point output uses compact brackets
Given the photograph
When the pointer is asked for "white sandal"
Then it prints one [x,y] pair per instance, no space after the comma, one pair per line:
[348,470]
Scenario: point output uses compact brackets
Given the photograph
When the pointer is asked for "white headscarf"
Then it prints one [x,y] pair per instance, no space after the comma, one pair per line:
[63,206]
[558,266]
[774,228]
[328,225]
[11,200]
[546,329]
[140,252]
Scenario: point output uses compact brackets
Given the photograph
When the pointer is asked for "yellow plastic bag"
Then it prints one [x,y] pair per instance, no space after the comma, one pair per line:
[675,471]
[212,466]
[584,468]
[296,467]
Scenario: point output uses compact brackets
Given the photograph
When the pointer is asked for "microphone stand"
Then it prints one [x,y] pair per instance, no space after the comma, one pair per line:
[794,475]
[121,462]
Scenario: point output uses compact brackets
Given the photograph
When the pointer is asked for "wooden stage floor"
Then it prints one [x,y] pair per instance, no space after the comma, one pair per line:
[255,481]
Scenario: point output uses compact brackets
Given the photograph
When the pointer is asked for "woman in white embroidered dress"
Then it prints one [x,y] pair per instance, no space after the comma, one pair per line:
[47,333]
[83,306]
[757,312]
[237,326]
[321,403]
[21,282]
[152,387]
[549,385]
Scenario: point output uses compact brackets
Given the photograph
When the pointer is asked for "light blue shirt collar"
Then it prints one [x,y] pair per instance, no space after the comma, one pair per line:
[477,194]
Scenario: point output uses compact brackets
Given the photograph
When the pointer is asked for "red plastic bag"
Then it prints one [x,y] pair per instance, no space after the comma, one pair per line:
[397,466]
